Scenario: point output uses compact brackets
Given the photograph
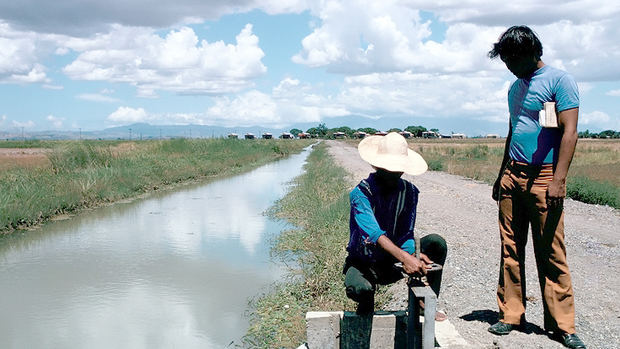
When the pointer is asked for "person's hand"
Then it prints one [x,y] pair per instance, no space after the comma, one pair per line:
[412,265]
[496,186]
[556,192]
[424,258]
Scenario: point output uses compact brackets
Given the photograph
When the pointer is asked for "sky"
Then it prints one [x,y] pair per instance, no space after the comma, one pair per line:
[89,64]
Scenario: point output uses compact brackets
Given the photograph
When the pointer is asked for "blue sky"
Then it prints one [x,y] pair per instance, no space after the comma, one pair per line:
[70,65]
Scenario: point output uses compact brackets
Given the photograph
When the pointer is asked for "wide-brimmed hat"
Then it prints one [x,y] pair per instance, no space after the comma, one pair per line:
[391,152]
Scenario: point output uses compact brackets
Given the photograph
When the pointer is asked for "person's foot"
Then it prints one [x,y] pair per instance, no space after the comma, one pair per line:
[571,341]
[439,316]
[501,328]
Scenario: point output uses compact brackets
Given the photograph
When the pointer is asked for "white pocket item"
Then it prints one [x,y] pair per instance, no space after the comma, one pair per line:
[547,117]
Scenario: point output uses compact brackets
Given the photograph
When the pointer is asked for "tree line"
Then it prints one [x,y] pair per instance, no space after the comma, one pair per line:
[602,134]
[322,131]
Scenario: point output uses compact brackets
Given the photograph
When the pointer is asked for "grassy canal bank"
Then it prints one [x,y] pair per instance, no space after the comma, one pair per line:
[67,176]
[318,205]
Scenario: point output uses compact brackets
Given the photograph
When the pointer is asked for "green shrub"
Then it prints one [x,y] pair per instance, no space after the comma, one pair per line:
[593,192]
[435,164]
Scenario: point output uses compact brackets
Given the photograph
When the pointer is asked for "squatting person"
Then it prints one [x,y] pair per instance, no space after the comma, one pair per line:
[531,186]
[382,220]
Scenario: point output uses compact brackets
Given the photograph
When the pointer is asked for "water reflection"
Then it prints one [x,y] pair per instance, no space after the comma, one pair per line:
[173,270]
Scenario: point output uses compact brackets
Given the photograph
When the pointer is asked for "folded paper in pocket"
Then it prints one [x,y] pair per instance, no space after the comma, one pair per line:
[547,117]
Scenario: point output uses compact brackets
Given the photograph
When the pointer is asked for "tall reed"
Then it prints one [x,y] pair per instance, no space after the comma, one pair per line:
[89,173]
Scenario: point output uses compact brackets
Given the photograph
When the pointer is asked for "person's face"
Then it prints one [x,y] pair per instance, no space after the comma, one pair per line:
[388,178]
[521,66]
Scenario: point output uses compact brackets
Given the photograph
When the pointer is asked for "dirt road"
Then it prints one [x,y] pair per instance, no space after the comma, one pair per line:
[462,211]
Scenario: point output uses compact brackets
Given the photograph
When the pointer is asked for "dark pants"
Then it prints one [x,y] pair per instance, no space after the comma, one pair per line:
[361,281]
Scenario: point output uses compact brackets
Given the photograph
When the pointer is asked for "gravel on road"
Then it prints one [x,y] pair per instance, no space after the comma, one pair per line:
[463,212]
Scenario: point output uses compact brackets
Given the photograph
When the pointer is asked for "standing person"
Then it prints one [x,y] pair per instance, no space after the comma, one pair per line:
[382,220]
[531,186]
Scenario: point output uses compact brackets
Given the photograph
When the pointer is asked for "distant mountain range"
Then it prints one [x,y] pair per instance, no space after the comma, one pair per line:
[145,131]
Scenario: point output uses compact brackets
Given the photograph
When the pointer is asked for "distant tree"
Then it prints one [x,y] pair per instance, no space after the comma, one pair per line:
[394,130]
[322,129]
[369,130]
[296,131]
[347,130]
[584,134]
[435,130]
[416,130]
[609,134]
[313,131]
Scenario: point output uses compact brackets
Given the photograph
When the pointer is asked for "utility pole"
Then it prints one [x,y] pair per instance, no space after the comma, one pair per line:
[80,133]
[23,136]
[130,133]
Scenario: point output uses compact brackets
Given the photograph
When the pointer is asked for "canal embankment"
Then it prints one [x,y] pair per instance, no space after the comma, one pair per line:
[77,175]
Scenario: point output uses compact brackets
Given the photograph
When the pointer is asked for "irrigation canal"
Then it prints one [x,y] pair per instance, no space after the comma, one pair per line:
[174,270]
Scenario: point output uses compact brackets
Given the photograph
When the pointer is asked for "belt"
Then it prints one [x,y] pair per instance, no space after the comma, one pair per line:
[533,170]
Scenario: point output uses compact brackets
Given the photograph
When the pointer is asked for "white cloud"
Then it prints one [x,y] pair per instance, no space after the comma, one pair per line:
[24,124]
[615,93]
[597,121]
[85,18]
[19,56]
[178,62]
[357,37]
[246,109]
[55,121]
[53,87]
[97,97]
[128,115]
[427,95]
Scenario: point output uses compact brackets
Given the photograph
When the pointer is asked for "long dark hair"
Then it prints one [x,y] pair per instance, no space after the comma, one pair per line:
[518,40]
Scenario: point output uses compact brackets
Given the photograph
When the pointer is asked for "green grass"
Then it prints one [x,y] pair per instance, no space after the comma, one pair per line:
[318,205]
[594,192]
[594,176]
[88,173]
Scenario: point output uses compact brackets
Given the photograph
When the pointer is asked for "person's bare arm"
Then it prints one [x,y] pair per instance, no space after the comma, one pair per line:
[411,265]
[556,190]
[505,159]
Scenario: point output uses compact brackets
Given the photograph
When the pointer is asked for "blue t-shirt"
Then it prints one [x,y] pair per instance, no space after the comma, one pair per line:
[375,213]
[530,142]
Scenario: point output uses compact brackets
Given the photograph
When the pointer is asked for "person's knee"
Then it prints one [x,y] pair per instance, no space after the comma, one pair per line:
[360,292]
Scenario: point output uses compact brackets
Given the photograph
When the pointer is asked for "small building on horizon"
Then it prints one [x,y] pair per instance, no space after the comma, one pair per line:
[360,134]
[430,134]
[406,134]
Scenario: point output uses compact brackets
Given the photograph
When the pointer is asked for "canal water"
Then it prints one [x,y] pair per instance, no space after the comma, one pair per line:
[174,270]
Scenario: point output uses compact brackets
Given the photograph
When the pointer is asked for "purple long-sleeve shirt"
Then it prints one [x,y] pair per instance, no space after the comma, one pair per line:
[376,211]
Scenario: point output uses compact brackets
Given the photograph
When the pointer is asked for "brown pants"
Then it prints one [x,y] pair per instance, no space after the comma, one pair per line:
[523,202]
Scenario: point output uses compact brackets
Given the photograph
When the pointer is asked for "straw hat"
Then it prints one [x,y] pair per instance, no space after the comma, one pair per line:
[392,153]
